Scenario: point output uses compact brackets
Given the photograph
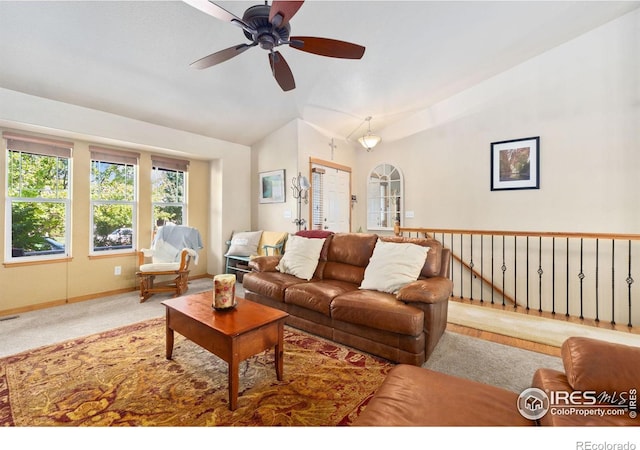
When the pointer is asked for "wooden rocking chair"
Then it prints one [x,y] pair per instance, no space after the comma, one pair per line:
[167,260]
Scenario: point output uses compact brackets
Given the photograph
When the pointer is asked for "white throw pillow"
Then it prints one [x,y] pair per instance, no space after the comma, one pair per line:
[244,243]
[393,265]
[301,256]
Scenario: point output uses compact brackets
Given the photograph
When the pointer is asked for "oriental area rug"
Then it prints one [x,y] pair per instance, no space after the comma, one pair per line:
[122,378]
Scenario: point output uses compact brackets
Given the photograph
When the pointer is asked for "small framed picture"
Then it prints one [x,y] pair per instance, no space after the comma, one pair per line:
[515,164]
[272,187]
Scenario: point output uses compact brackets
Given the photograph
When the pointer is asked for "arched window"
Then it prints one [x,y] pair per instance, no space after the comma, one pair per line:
[384,197]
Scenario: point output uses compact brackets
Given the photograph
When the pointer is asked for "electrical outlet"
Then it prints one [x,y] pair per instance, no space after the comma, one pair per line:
[117,270]
[409,214]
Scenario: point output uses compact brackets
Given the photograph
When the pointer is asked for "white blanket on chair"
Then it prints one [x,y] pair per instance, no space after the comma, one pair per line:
[171,240]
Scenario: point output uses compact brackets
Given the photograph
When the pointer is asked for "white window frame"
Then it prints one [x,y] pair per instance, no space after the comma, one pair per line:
[113,156]
[44,147]
[174,165]
[384,204]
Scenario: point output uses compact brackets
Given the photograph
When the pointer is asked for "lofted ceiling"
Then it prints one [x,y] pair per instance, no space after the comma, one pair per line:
[131,58]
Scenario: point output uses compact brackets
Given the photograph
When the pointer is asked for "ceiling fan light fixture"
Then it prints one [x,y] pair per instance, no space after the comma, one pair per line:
[369,140]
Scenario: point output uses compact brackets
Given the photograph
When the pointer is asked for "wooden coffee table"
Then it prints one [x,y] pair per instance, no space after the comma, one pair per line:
[233,335]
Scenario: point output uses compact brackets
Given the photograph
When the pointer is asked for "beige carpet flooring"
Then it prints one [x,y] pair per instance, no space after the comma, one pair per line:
[35,329]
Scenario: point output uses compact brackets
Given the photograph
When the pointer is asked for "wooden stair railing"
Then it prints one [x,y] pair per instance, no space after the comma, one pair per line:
[587,270]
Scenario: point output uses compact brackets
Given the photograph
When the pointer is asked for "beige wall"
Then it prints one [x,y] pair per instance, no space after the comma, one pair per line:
[582,99]
[277,151]
[26,286]
[291,148]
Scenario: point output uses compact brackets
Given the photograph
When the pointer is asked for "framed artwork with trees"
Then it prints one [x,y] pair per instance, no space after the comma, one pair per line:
[515,164]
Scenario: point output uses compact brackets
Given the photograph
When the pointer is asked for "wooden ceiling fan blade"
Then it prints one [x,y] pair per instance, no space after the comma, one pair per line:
[281,71]
[221,56]
[327,47]
[218,12]
[281,12]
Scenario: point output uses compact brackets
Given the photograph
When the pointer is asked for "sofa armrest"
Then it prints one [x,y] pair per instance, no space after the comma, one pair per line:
[265,263]
[427,290]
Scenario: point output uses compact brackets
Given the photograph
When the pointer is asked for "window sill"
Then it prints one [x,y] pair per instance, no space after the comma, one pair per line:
[113,254]
[36,262]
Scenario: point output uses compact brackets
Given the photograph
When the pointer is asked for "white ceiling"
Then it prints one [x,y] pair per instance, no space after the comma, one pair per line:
[132,59]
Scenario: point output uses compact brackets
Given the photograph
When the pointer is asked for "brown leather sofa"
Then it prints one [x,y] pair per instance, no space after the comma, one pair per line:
[594,371]
[598,388]
[403,328]
[413,396]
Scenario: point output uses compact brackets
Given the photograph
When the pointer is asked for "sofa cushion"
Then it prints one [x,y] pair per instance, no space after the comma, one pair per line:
[413,396]
[301,257]
[244,243]
[393,265]
[553,380]
[433,263]
[378,310]
[317,295]
[269,284]
[348,256]
[319,234]
[595,365]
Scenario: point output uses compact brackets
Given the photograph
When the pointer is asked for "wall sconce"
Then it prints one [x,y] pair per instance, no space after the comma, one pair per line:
[369,140]
[300,188]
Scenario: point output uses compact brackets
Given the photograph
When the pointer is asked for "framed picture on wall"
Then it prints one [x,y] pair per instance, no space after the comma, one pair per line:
[515,164]
[272,187]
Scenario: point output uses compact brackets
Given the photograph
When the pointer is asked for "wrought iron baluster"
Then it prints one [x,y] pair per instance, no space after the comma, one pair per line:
[452,259]
[515,272]
[492,266]
[581,277]
[540,272]
[461,268]
[567,276]
[481,268]
[613,279]
[629,281]
[504,270]
[597,280]
[553,276]
[527,292]
[471,268]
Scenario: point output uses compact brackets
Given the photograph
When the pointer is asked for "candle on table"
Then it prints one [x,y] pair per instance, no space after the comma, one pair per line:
[224,287]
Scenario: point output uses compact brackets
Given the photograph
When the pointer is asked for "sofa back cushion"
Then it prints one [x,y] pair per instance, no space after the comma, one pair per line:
[348,256]
[595,365]
[432,265]
[393,265]
[319,234]
[301,257]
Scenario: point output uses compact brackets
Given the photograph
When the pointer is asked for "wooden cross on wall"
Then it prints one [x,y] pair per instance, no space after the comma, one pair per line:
[333,147]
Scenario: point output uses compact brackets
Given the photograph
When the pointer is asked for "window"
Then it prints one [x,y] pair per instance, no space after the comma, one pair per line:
[317,196]
[384,195]
[168,190]
[113,199]
[38,204]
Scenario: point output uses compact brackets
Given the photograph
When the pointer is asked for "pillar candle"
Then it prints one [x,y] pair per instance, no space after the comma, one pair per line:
[224,288]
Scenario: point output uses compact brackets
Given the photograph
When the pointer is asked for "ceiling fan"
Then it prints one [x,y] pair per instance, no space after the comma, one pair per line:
[268,27]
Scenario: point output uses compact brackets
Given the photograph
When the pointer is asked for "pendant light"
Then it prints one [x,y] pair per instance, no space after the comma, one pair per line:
[369,140]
